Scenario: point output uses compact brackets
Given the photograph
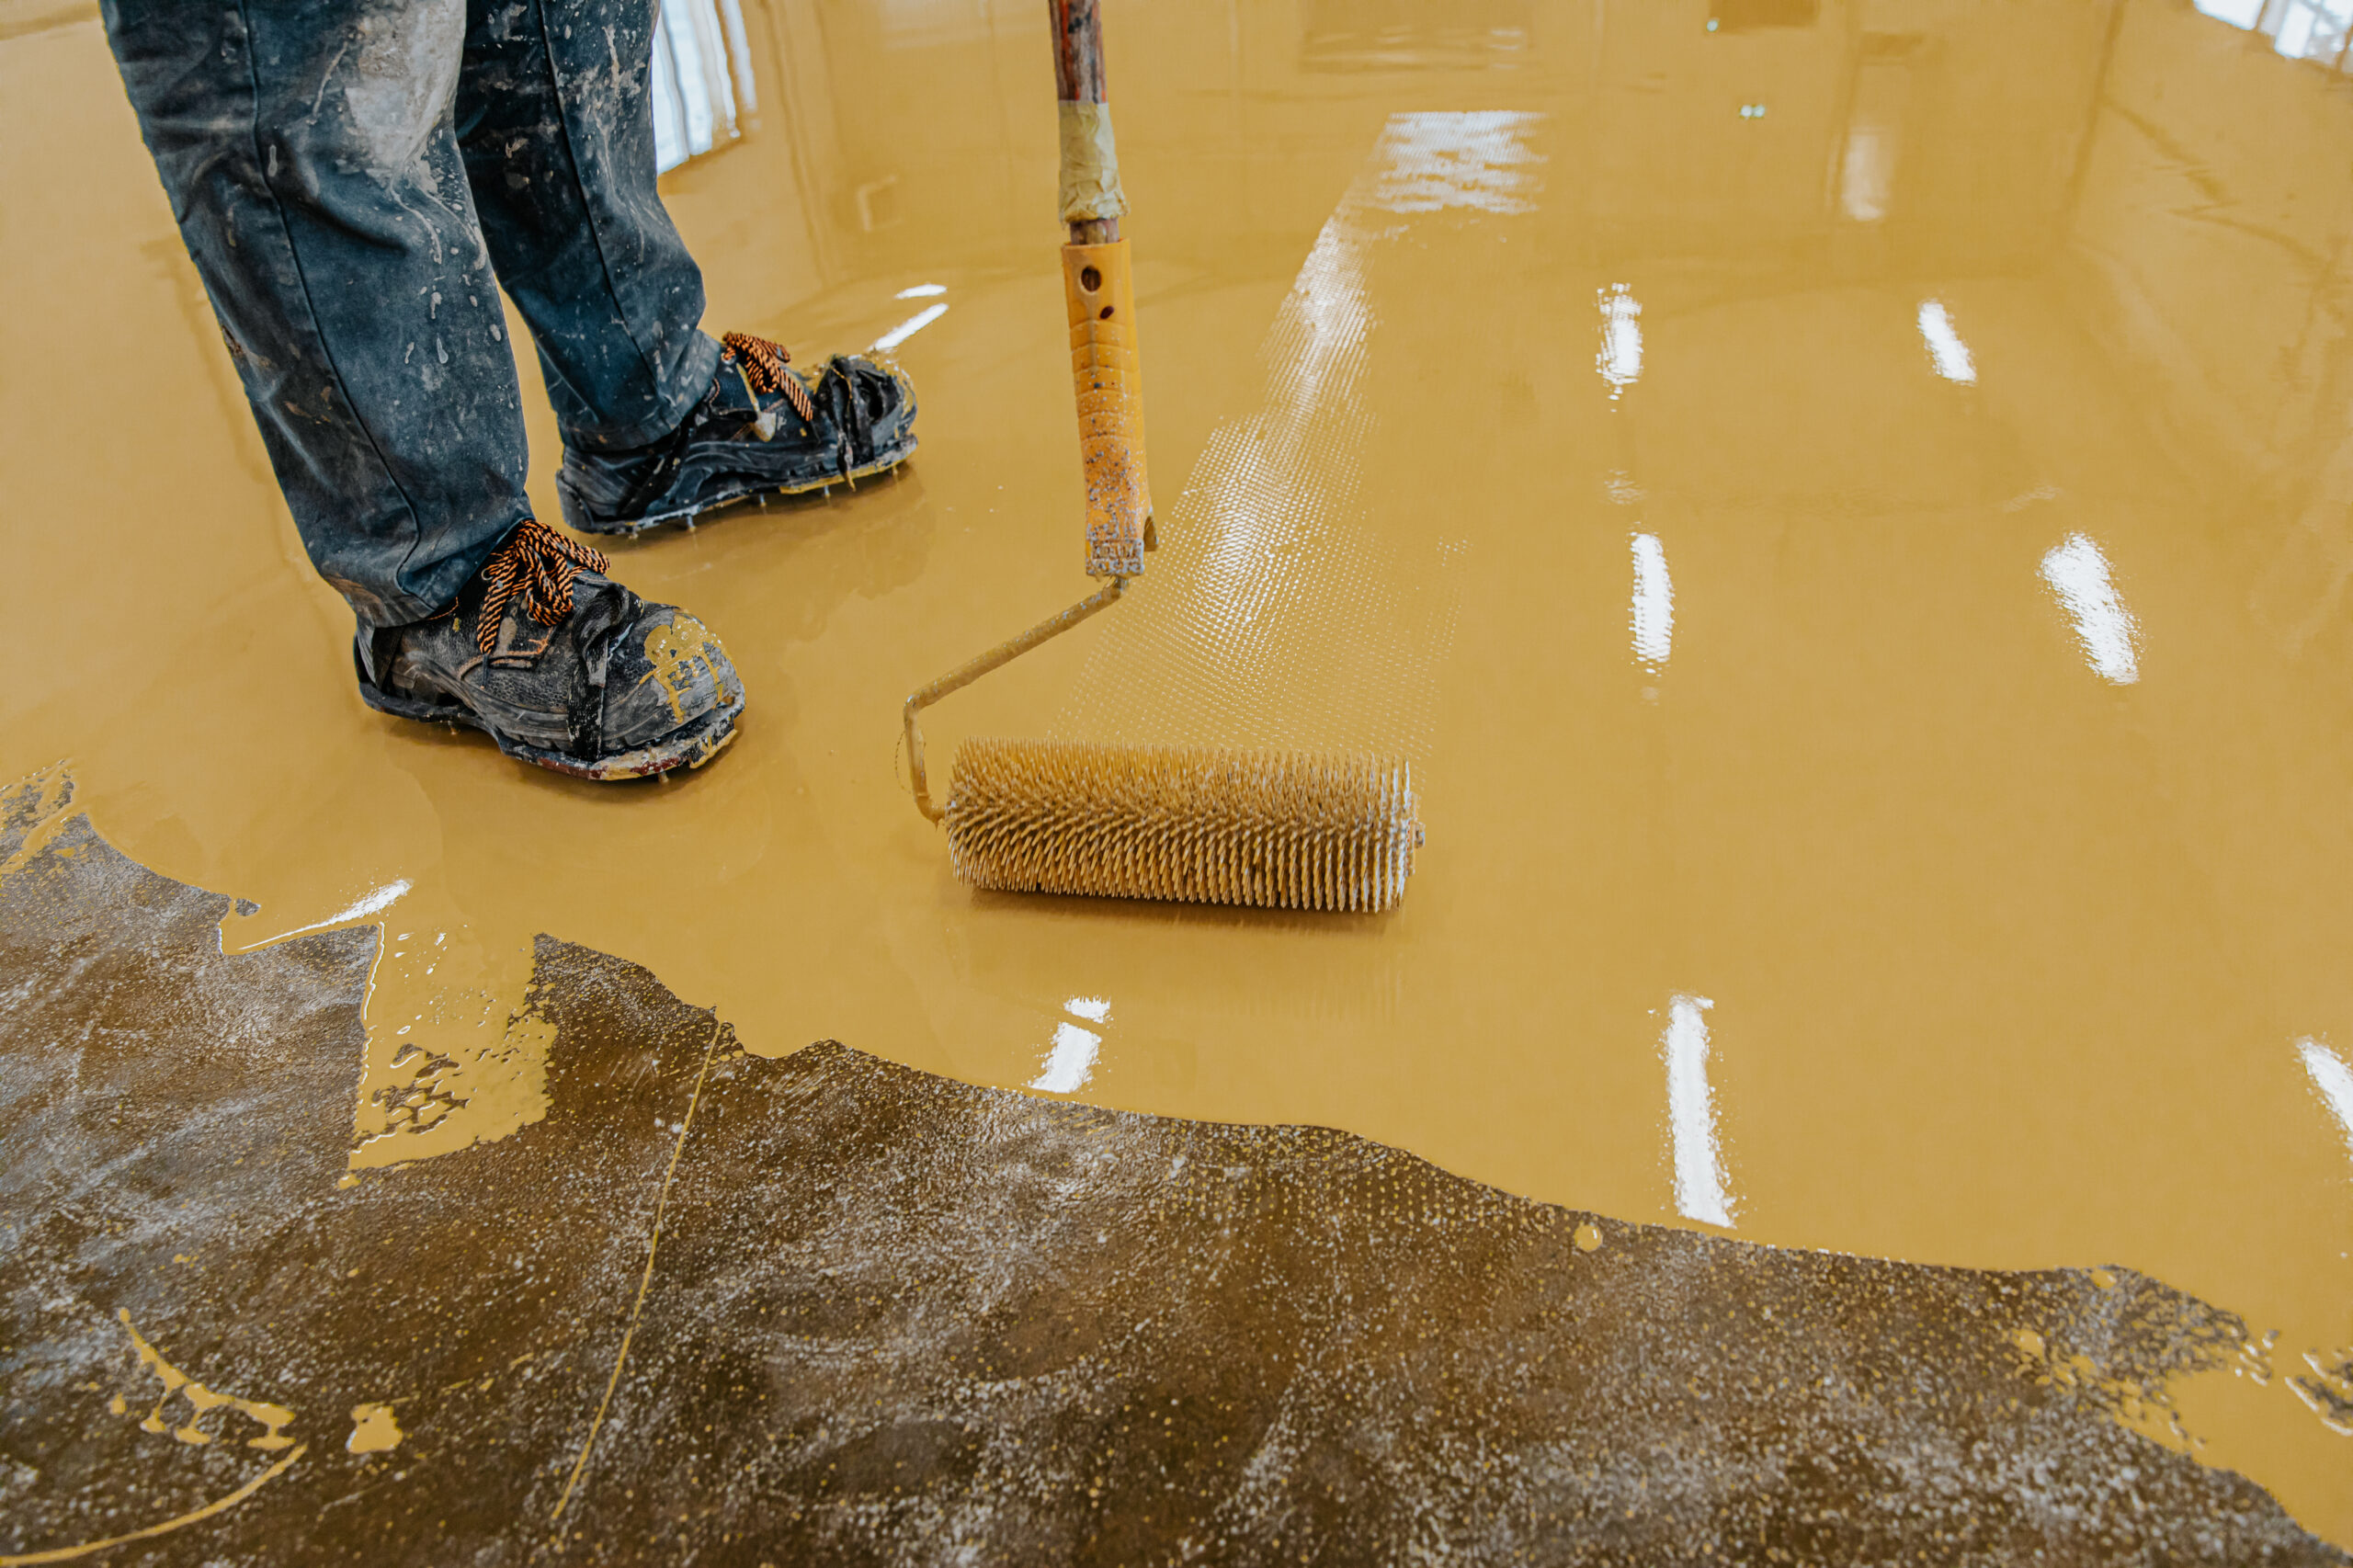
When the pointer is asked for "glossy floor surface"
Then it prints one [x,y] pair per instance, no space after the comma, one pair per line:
[1846,508]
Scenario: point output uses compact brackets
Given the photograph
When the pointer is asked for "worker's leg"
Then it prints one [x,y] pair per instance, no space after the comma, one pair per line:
[554,118]
[309,156]
[659,422]
[311,161]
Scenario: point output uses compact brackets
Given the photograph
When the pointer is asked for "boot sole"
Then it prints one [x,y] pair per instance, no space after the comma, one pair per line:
[688,747]
[883,463]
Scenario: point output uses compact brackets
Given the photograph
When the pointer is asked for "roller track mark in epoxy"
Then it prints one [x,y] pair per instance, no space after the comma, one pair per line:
[1281,614]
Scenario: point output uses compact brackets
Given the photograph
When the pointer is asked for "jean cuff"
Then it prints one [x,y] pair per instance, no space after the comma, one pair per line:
[696,369]
[420,594]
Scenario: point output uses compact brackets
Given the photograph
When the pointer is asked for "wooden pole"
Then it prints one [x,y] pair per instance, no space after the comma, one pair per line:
[1078,79]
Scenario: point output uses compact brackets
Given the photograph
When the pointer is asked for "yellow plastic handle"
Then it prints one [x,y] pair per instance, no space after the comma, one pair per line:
[1109,377]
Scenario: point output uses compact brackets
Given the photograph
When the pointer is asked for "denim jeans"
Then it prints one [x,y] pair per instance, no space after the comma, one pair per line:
[349,176]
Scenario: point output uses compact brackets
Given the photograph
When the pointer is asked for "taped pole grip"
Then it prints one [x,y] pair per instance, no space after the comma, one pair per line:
[1091,198]
[1099,290]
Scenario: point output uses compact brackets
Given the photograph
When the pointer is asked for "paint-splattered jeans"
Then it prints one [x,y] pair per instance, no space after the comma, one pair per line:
[348,176]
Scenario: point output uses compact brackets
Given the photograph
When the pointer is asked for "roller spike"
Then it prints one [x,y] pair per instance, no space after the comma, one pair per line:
[1266,828]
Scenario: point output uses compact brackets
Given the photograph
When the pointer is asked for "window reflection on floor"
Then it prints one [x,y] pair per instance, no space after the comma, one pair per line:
[1404,35]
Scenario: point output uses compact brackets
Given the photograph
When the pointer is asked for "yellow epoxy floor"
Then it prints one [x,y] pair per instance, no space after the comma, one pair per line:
[1849,522]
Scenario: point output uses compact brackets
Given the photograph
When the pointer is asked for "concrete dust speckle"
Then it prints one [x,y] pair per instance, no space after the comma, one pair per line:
[895,1318]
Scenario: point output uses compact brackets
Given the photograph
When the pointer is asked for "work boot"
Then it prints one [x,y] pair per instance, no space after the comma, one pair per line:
[561,666]
[763,427]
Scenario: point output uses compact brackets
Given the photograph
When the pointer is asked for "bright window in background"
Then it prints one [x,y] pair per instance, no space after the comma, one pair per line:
[702,78]
[2301,29]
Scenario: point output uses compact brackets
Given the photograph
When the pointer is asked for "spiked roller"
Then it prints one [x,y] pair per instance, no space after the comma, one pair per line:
[1271,829]
[1274,829]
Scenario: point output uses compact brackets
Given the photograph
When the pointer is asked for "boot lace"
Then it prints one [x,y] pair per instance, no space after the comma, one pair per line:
[540,564]
[763,365]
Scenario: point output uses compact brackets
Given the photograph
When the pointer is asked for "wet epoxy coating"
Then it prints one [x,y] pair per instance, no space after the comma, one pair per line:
[1849,518]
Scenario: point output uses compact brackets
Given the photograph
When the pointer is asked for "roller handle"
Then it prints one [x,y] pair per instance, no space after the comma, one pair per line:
[1109,383]
[974,669]
[1101,297]
[1098,288]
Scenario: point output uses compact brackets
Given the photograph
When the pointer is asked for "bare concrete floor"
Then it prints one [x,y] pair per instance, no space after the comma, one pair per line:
[713,1308]
[1849,519]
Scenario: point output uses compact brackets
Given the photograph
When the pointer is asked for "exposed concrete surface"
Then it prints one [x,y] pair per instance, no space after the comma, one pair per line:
[716,1308]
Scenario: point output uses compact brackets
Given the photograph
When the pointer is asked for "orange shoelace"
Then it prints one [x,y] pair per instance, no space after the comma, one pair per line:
[763,364]
[540,564]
